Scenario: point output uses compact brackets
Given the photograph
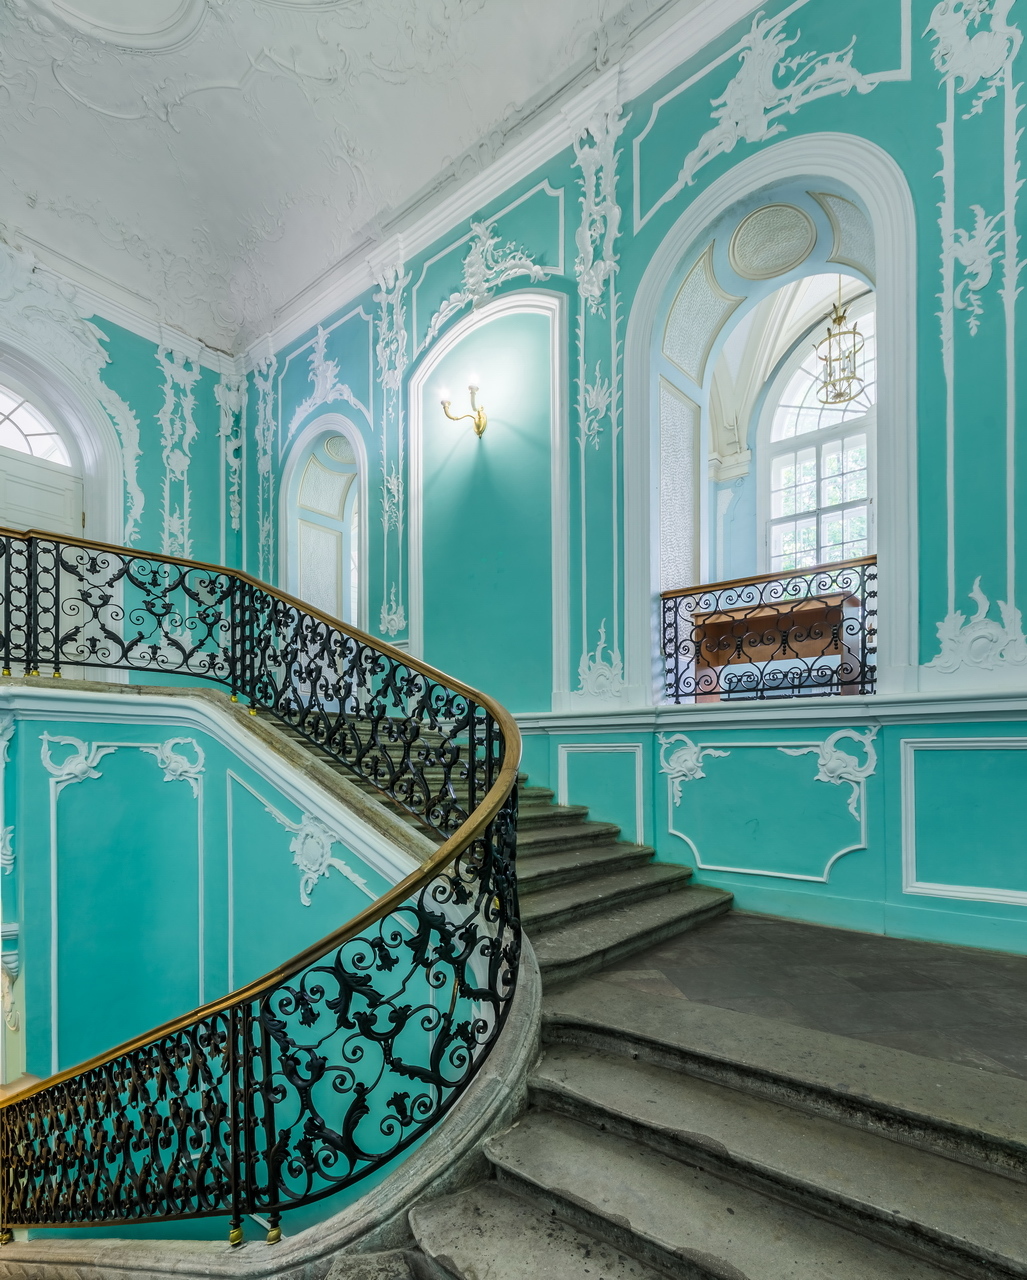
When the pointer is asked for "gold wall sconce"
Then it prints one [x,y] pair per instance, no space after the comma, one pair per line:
[477,414]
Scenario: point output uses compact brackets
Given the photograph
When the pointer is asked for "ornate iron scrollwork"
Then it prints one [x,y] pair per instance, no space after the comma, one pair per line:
[321,1073]
[801,632]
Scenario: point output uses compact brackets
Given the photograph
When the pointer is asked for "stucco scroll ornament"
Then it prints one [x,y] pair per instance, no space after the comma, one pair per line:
[391,327]
[596,399]
[487,264]
[78,766]
[596,236]
[393,616]
[982,641]
[770,85]
[684,764]
[178,430]
[10,967]
[837,766]
[392,495]
[6,734]
[311,849]
[601,677]
[963,52]
[327,387]
[264,434]
[177,767]
[7,850]
[230,394]
[42,312]
[976,252]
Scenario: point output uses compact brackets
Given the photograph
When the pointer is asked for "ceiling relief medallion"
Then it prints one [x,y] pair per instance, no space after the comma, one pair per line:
[771,242]
[157,26]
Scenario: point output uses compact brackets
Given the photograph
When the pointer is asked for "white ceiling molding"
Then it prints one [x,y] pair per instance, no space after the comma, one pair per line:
[202,100]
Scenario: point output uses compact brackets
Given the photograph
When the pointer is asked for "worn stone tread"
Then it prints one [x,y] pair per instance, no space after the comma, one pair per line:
[549,869]
[489,1233]
[957,1215]
[550,908]
[601,939]
[690,1222]
[963,1113]
[556,839]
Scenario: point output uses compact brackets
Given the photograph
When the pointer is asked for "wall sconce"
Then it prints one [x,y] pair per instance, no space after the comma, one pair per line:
[477,414]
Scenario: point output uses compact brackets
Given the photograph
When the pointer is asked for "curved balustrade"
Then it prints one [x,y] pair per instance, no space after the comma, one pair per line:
[319,1073]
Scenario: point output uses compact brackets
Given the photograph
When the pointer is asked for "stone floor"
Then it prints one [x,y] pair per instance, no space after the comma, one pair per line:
[954,1003]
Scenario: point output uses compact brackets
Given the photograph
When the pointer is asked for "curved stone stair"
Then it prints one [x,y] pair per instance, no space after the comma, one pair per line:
[587,897]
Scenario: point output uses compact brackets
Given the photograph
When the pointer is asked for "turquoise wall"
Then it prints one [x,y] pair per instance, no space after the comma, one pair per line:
[490,626]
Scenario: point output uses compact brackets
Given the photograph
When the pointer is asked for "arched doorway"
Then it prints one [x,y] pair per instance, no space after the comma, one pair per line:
[40,473]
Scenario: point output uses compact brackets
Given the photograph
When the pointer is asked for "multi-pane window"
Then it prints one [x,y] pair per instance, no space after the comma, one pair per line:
[819,500]
[25,430]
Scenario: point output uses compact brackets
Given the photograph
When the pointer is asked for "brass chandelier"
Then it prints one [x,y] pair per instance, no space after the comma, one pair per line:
[839,353]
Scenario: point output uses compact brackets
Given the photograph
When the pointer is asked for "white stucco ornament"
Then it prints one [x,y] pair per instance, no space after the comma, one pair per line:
[601,676]
[327,386]
[837,766]
[981,641]
[311,849]
[684,764]
[78,766]
[966,51]
[178,767]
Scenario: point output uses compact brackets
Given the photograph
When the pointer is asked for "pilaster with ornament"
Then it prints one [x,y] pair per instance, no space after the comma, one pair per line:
[598,381]
[975,47]
[264,429]
[178,430]
[230,393]
[391,358]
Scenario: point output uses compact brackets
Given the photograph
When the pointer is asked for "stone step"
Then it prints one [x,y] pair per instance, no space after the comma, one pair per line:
[553,908]
[687,1221]
[582,948]
[966,1115]
[530,794]
[546,871]
[489,1233]
[942,1211]
[579,835]
[532,815]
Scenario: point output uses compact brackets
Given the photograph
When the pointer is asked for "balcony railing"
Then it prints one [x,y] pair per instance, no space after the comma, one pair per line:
[803,632]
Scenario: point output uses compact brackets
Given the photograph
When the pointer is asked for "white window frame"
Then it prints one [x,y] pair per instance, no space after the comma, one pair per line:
[767,449]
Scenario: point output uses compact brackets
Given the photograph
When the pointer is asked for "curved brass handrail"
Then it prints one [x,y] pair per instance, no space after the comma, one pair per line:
[483,840]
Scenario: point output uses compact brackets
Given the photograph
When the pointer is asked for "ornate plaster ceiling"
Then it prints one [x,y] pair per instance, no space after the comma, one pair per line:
[208,159]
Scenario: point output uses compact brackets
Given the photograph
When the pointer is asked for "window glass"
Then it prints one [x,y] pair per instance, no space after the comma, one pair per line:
[25,430]
[799,411]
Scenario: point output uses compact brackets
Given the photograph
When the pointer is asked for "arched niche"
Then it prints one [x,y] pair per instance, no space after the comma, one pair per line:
[462,481]
[304,453]
[841,161]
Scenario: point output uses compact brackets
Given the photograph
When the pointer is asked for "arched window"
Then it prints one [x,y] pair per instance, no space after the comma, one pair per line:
[40,487]
[25,430]
[328,529]
[817,462]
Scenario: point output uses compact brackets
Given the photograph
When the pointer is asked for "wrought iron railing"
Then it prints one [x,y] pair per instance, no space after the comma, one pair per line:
[320,1073]
[801,632]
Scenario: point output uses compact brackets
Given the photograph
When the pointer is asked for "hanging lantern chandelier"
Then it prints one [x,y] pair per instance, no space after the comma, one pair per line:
[839,354]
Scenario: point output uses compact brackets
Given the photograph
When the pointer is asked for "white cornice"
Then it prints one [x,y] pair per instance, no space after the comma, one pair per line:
[636,73]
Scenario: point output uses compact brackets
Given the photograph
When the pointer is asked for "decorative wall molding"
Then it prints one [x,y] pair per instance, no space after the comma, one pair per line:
[178,767]
[981,641]
[635,749]
[7,854]
[264,429]
[392,358]
[837,766]
[601,672]
[596,155]
[769,86]
[911,882]
[79,765]
[684,764]
[177,433]
[326,388]
[230,393]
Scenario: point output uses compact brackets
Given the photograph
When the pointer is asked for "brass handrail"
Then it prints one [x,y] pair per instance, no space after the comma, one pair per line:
[754,578]
[494,805]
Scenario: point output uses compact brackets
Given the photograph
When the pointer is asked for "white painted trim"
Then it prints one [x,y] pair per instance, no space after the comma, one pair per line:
[874,175]
[566,749]
[911,883]
[325,424]
[728,747]
[525,301]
